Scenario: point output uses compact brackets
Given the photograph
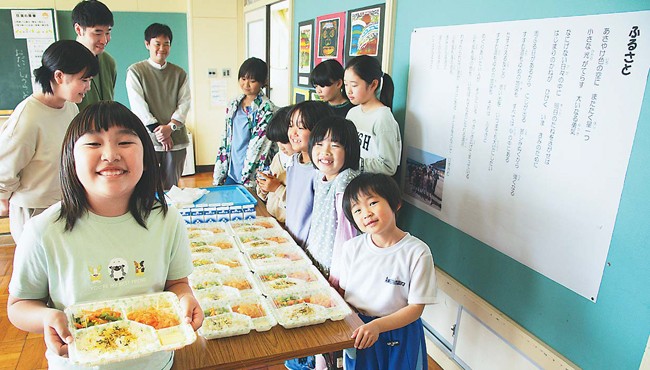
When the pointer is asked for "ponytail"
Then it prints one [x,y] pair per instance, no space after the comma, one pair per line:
[386,91]
[43,76]
[369,69]
[67,56]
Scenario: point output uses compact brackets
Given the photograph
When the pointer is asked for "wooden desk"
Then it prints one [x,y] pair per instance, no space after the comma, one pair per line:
[269,347]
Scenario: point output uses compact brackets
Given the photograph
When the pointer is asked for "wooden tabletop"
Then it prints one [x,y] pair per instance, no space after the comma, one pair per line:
[269,347]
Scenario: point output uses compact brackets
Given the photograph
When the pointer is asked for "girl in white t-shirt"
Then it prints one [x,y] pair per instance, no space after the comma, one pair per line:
[30,140]
[82,248]
[371,91]
[388,276]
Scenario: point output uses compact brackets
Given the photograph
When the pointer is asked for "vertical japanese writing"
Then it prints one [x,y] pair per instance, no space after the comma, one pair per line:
[24,80]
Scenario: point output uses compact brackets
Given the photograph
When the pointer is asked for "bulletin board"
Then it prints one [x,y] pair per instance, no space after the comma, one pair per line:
[24,35]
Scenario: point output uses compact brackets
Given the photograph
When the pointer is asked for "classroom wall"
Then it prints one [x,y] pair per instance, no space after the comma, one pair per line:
[609,334]
[209,35]
[216,42]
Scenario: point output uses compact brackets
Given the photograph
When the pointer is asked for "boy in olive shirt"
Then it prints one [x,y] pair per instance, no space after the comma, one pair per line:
[93,22]
[159,94]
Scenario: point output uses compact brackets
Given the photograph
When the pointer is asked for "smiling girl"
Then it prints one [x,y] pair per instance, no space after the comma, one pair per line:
[334,149]
[30,140]
[109,213]
[300,171]
[381,143]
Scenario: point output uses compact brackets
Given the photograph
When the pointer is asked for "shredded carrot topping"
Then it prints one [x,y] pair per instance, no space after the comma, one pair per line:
[154,317]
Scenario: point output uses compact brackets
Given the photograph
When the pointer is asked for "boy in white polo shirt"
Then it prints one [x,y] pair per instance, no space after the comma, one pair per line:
[388,276]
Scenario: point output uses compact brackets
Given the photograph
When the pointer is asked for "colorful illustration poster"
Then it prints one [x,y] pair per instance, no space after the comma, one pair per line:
[365,32]
[529,126]
[305,51]
[330,30]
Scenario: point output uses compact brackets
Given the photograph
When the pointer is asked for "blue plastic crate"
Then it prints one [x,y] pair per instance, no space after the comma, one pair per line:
[221,204]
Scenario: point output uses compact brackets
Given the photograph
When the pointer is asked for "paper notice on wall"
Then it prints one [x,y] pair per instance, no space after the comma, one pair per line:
[218,92]
[35,49]
[33,24]
[519,134]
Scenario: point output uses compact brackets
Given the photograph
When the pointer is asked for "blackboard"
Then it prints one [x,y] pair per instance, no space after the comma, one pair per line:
[15,75]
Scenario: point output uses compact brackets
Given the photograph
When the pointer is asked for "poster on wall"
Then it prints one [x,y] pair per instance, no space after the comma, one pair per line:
[364,34]
[37,27]
[305,51]
[330,30]
[526,135]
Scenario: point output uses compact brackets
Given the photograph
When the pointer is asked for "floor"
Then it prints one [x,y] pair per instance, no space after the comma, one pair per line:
[25,351]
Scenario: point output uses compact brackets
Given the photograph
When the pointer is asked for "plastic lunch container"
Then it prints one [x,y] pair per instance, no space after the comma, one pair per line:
[275,256]
[244,282]
[236,316]
[257,224]
[210,228]
[308,307]
[216,294]
[297,277]
[126,328]
[220,259]
[212,243]
[265,238]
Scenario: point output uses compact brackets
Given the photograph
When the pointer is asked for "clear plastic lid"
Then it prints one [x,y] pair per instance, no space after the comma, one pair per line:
[236,316]
[290,278]
[308,307]
[217,242]
[231,259]
[211,227]
[126,328]
[254,225]
[225,325]
[244,282]
[265,238]
[275,256]
[216,294]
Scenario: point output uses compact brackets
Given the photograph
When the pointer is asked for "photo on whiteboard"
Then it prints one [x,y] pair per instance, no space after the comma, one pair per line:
[425,177]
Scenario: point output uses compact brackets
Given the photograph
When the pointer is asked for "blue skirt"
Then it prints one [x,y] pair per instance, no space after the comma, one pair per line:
[399,349]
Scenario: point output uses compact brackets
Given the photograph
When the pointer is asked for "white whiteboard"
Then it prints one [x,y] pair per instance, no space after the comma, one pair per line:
[525,128]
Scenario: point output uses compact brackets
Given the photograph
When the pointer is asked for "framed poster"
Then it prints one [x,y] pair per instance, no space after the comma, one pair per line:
[300,95]
[365,32]
[314,96]
[329,37]
[305,51]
